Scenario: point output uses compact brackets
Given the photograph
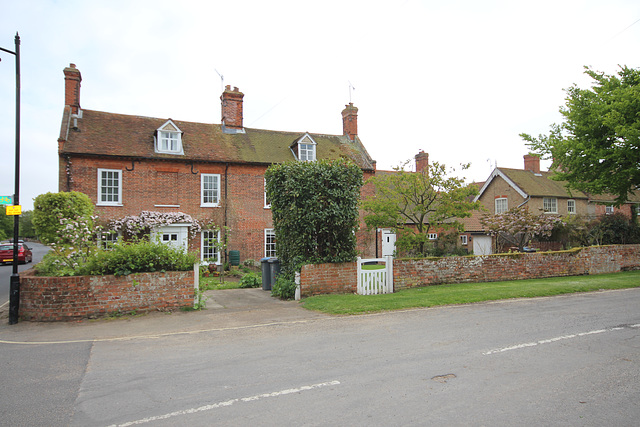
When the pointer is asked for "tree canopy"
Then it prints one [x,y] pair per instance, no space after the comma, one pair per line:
[415,204]
[597,147]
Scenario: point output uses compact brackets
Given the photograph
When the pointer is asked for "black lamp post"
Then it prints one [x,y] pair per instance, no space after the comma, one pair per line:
[14,290]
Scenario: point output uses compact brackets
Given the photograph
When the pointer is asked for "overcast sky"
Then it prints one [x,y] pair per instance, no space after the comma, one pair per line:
[457,79]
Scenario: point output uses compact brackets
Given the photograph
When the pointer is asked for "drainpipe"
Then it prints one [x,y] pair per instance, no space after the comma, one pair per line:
[226,192]
[525,202]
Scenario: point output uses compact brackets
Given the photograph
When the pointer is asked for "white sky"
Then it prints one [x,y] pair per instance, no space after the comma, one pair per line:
[457,79]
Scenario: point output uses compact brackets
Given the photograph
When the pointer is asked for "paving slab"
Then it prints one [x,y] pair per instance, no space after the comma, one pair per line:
[225,309]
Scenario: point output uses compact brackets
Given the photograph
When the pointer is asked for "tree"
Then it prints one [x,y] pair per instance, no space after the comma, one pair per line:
[6,225]
[415,204]
[315,211]
[26,225]
[597,147]
[50,209]
[518,226]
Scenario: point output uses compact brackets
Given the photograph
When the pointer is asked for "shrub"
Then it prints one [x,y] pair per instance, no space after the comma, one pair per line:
[121,259]
[51,208]
[251,280]
[284,288]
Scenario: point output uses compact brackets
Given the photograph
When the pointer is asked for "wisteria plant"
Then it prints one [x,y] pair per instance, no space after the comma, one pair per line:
[518,226]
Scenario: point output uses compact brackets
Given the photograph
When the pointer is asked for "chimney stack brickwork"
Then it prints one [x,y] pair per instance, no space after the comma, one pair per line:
[532,163]
[232,108]
[422,162]
[350,121]
[72,79]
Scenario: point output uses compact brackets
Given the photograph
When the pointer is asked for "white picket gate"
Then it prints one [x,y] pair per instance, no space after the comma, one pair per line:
[377,281]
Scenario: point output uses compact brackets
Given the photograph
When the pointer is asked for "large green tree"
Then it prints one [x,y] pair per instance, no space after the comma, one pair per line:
[315,211]
[415,204]
[597,147]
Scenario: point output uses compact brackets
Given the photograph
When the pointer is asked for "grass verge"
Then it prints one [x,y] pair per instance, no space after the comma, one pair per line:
[464,293]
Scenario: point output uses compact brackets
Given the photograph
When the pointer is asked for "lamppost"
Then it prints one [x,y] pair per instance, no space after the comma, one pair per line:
[14,290]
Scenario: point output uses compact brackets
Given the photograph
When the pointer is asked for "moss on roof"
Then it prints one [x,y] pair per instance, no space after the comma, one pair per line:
[541,184]
[111,134]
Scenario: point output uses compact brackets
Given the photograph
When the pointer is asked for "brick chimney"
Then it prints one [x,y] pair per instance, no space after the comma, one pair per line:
[422,162]
[350,121]
[72,79]
[532,163]
[232,109]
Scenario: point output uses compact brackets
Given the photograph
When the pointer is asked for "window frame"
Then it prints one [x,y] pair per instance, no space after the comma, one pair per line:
[100,194]
[267,205]
[174,135]
[496,202]
[550,205]
[270,252]
[464,239]
[203,247]
[571,210]
[609,209]
[203,190]
[432,236]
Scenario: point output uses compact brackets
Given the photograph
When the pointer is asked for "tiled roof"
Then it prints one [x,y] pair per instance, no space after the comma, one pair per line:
[541,184]
[110,134]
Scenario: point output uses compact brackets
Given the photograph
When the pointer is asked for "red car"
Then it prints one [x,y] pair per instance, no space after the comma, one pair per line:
[6,253]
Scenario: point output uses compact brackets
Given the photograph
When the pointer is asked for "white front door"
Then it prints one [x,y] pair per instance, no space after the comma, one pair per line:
[174,235]
[482,245]
[388,242]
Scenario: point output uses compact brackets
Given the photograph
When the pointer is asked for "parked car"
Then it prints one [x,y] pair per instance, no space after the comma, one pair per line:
[6,253]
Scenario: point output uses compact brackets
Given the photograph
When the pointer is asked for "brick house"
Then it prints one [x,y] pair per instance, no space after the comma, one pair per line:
[386,238]
[212,172]
[509,188]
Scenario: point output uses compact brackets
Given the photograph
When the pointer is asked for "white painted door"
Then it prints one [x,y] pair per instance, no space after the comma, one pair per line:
[174,235]
[482,245]
[388,243]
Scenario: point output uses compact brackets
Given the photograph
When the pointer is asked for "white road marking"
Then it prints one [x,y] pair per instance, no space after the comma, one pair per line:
[228,403]
[560,338]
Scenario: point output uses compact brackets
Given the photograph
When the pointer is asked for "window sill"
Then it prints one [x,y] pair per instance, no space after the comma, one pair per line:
[110,204]
[210,206]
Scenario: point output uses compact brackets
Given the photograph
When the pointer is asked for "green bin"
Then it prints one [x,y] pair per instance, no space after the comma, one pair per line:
[234,257]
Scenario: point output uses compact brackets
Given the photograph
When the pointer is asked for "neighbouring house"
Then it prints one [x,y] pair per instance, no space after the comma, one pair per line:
[509,188]
[210,173]
[386,238]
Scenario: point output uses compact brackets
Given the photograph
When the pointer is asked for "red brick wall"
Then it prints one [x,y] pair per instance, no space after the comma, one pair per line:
[317,279]
[152,183]
[407,273]
[67,298]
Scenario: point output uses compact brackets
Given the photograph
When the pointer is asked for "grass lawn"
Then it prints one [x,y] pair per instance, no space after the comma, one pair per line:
[213,283]
[464,293]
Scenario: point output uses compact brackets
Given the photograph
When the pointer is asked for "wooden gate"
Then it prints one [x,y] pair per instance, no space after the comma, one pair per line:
[375,276]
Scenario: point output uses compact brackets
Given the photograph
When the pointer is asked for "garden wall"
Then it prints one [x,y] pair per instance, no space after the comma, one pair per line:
[66,298]
[407,273]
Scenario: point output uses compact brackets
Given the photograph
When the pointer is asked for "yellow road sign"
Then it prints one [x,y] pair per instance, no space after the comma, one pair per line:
[14,210]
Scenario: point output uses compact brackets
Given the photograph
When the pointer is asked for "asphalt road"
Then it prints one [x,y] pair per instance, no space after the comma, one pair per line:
[7,269]
[569,360]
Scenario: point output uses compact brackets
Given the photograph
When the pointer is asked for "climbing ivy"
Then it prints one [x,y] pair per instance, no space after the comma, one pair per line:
[315,211]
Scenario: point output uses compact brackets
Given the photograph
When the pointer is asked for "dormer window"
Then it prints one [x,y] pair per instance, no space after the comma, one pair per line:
[304,149]
[169,139]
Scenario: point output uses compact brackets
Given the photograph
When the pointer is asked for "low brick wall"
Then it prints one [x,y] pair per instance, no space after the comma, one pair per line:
[407,273]
[66,298]
[317,279]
